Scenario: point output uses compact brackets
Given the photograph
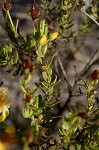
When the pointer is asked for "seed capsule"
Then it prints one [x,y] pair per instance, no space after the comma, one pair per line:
[95,75]
[34,12]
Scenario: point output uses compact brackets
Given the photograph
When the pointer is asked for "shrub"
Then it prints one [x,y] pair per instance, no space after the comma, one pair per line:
[79,128]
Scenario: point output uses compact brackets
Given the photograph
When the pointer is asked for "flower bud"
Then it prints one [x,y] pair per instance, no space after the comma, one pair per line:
[43,40]
[6,5]
[28,98]
[34,12]
[64,11]
[29,65]
[53,36]
[95,75]
[83,115]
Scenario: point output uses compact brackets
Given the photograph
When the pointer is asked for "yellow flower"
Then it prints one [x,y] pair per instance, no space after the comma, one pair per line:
[43,40]
[53,36]
[3,107]
[2,146]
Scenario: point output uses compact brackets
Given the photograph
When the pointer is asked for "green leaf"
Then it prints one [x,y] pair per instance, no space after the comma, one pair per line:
[5,55]
[36,101]
[11,33]
[30,41]
[44,84]
[22,42]
[46,30]
[17,25]
[15,57]
[45,76]
[26,112]
[53,80]
[44,49]
[50,72]
[54,103]
[69,26]
[39,53]
[85,84]
[23,89]
[32,92]
[39,59]
[41,103]
[49,64]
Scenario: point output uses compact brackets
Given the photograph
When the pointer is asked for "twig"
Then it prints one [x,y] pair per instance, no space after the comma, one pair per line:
[88,65]
[63,70]
[90,17]
[58,88]
[1,83]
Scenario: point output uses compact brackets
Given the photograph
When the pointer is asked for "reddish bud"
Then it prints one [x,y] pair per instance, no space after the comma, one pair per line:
[64,11]
[34,12]
[95,75]
[28,98]
[29,65]
[6,5]
[83,115]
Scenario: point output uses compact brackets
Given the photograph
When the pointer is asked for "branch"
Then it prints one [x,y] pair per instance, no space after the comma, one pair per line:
[63,70]
[87,67]
[96,22]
